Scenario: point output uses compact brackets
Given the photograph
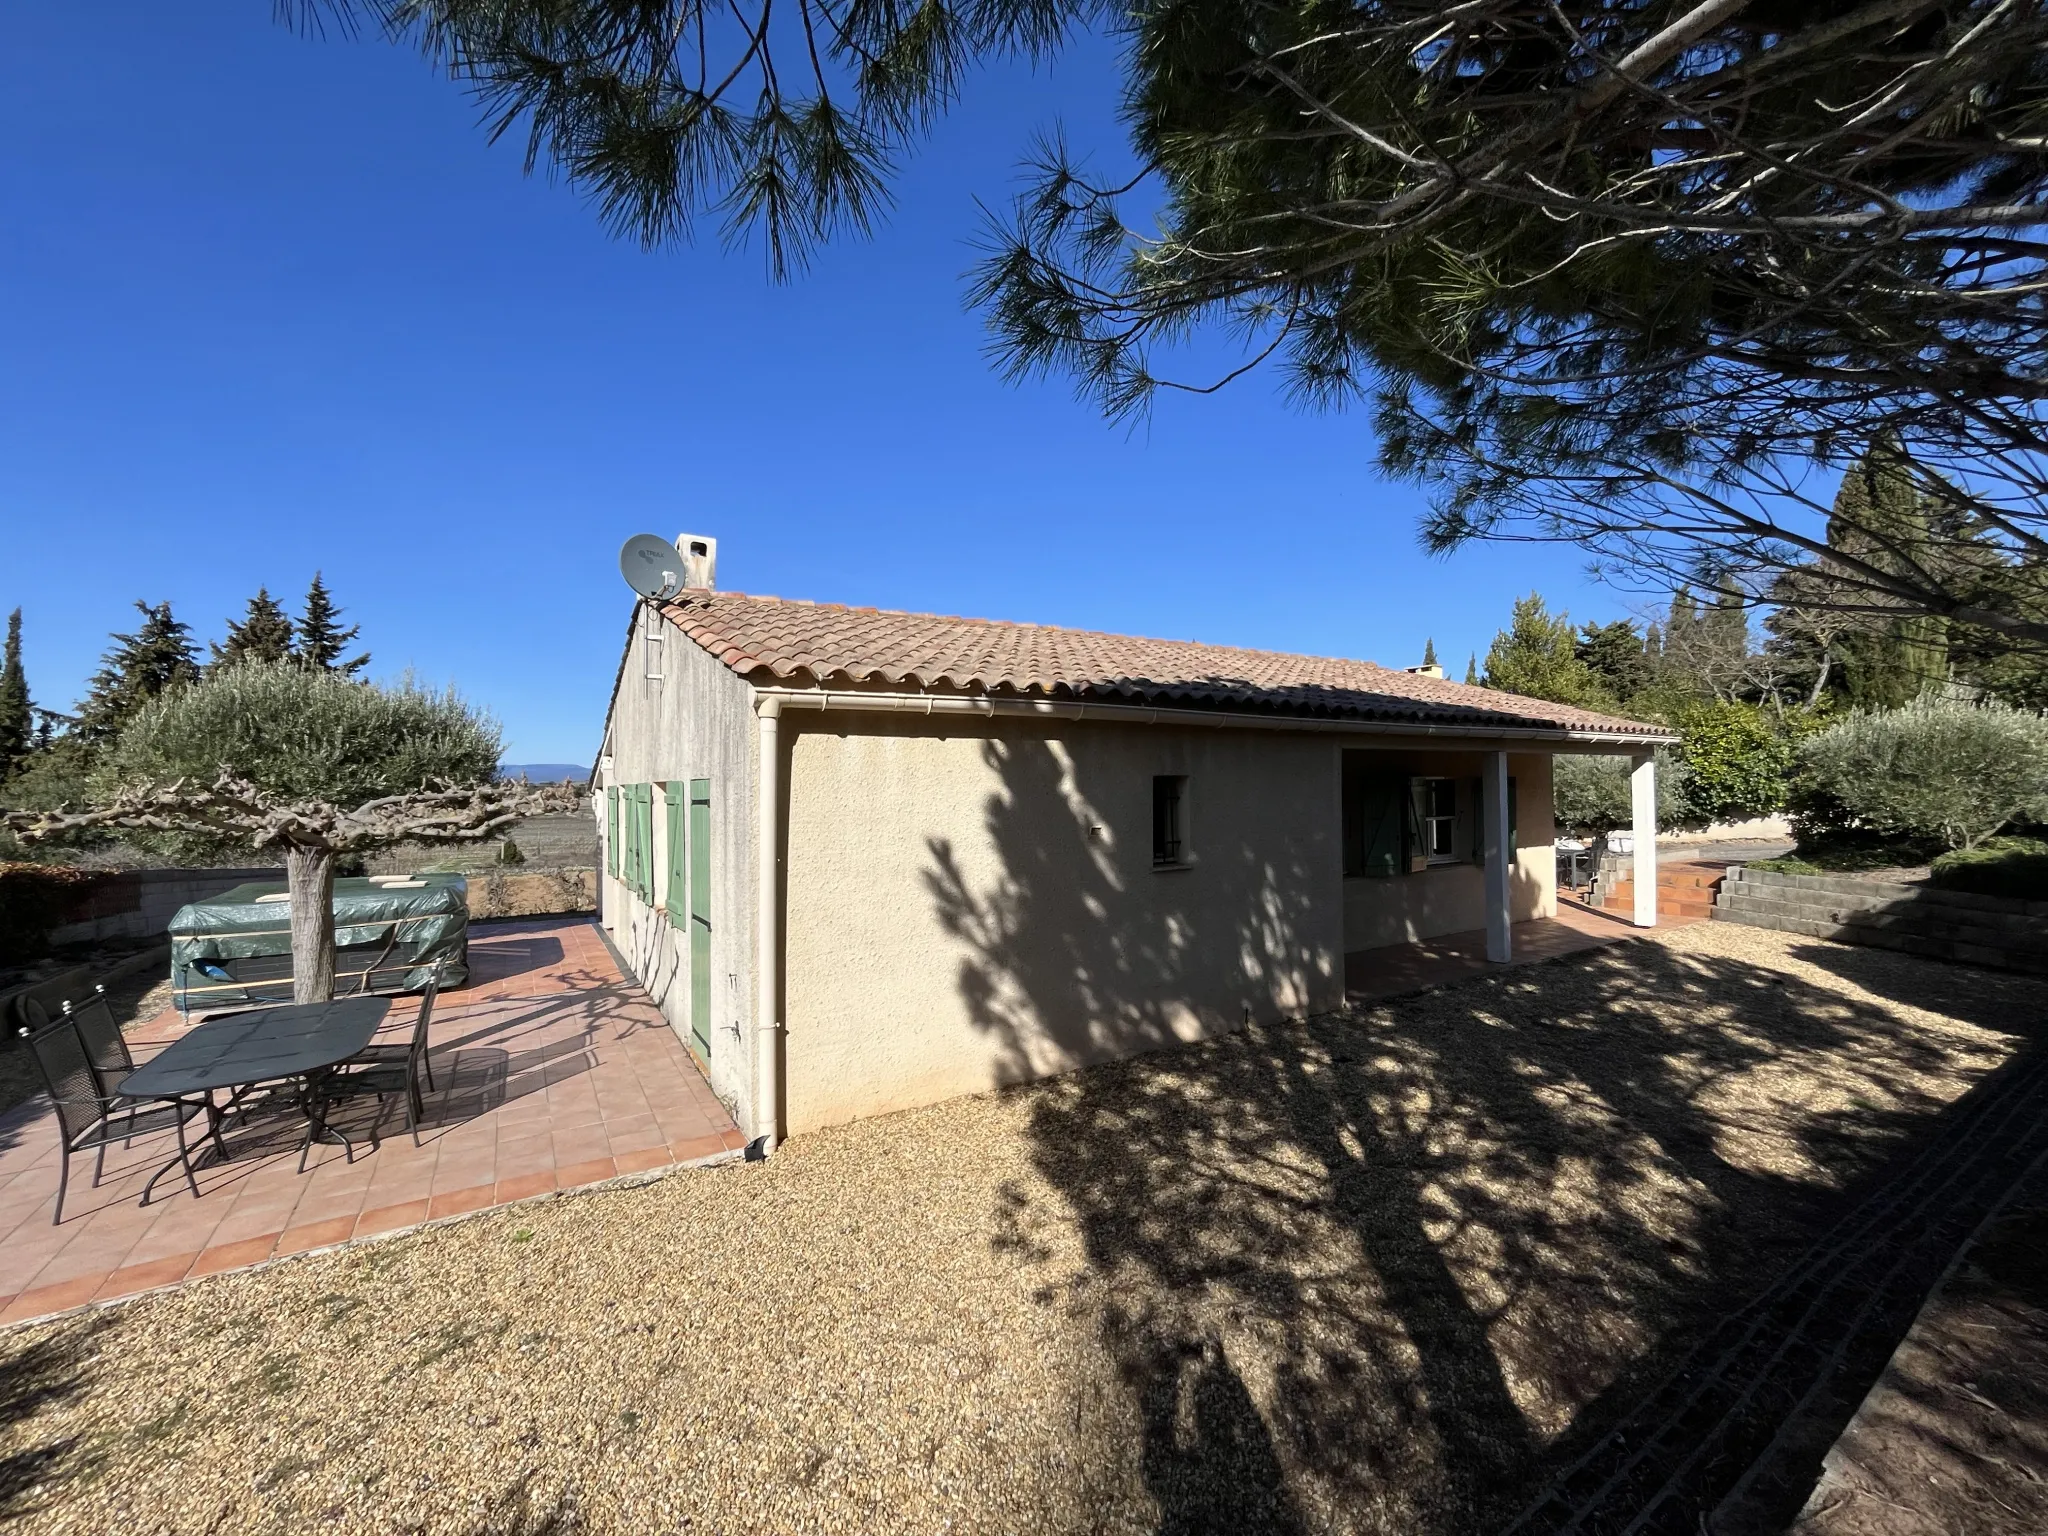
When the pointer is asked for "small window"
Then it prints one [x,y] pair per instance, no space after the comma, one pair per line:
[1440,820]
[1169,819]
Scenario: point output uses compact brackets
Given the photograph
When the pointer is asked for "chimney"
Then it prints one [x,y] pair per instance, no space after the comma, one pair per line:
[700,561]
[1427,669]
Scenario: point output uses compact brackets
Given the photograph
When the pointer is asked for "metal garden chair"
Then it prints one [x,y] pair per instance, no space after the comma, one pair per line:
[389,1069]
[91,1115]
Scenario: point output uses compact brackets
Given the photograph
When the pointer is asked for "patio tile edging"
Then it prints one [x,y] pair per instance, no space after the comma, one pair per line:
[620,1181]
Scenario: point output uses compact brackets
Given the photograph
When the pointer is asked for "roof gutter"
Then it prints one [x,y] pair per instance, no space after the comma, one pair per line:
[1616,742]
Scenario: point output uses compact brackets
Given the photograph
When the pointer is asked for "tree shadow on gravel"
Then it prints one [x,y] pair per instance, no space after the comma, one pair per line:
[1375,1271]
[42,1374]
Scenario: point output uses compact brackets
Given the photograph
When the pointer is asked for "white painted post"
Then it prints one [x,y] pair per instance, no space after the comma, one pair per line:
[1642,785]
[767,1126]
[1499,856]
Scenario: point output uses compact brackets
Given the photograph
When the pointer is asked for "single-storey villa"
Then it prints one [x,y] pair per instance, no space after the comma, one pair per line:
[868,860]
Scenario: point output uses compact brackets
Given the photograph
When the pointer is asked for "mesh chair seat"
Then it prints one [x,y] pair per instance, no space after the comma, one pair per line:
[389,1069]
[91,1116]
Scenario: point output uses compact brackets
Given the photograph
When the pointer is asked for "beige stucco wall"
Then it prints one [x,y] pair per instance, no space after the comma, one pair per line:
[972,906]
[695,721]
[1451,898]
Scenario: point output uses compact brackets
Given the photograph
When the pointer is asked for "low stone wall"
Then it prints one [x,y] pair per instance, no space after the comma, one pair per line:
[1917,919]
[140,903]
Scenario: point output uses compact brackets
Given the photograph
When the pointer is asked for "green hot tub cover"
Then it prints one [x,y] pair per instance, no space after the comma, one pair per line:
[236,949]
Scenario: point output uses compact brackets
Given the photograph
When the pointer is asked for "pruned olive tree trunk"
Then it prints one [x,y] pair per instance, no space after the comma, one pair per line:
[309,833]
[310,872]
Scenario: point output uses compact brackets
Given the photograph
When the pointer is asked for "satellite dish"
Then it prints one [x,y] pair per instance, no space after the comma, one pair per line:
[652,566]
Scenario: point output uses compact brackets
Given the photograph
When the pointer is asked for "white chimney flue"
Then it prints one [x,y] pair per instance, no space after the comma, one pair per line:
[700,561]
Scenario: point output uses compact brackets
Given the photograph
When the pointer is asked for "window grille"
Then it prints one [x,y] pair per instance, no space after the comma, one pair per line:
[1169,836]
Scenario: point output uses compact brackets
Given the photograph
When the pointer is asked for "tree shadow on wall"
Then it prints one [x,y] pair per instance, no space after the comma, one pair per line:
[1372,1272]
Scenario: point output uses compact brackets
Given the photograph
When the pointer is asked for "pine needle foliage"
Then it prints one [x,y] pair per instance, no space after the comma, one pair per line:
[136,669]
[264,633]
[785,122]
[1612,272]
[321,638]
[1537,656]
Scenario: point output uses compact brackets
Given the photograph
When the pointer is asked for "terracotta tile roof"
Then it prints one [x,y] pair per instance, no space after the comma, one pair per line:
[804,644]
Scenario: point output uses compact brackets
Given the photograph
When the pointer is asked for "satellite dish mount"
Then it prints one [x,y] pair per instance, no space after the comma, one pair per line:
[652,566]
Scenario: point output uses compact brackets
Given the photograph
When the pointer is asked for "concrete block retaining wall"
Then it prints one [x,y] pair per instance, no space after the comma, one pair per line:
[1993,931]
[140,903]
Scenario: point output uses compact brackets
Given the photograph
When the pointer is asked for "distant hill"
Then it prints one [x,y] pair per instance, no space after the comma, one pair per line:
[545,773]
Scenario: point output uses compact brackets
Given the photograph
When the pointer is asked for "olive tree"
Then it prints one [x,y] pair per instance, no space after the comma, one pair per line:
[1942,766]
[308,764]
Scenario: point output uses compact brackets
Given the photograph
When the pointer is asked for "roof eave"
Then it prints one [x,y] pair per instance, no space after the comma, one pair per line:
[990,705]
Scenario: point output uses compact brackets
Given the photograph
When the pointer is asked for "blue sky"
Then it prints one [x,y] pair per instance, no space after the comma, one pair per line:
[273,304]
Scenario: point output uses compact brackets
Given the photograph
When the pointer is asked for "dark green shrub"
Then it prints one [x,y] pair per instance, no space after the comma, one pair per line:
[34,898]
[2003,866]
[1738,764]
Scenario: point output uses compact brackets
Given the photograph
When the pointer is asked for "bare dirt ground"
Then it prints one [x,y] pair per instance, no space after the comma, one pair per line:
[1359,1274]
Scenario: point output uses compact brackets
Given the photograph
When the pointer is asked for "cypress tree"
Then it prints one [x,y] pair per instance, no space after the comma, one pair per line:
[1617,655]
[136,668]
[321,637]
[265,633]
[1881,516]
[17,710]
[1472,670]
[1429,652]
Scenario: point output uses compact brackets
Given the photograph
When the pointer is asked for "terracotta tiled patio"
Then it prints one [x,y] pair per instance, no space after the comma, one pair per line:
[554,1072]
[1397,968]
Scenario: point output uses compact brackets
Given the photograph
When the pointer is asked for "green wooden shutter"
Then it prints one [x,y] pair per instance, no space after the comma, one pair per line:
[700,915]
[611,830]
[626,835]
[676,898]
[643,805]
[1415,846]
[1381,821]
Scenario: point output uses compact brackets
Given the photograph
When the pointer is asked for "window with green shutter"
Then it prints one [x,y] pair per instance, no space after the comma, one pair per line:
[700,915]
[1376,816]
[676,801]
[611,831]
[643,838]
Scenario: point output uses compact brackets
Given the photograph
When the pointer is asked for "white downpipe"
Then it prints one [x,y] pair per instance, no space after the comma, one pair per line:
[1642,788]
[1499,851]
[768,929]
[1607,742]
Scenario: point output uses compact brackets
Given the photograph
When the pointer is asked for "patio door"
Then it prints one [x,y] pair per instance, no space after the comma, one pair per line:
[699,848]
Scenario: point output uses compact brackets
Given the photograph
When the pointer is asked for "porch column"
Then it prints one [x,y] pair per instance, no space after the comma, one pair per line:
[1642,787]
[1499,853]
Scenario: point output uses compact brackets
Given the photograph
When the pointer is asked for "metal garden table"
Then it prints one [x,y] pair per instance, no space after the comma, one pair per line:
[299,1042]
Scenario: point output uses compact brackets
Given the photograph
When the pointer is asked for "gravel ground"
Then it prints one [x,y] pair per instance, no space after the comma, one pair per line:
[1356,1275]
